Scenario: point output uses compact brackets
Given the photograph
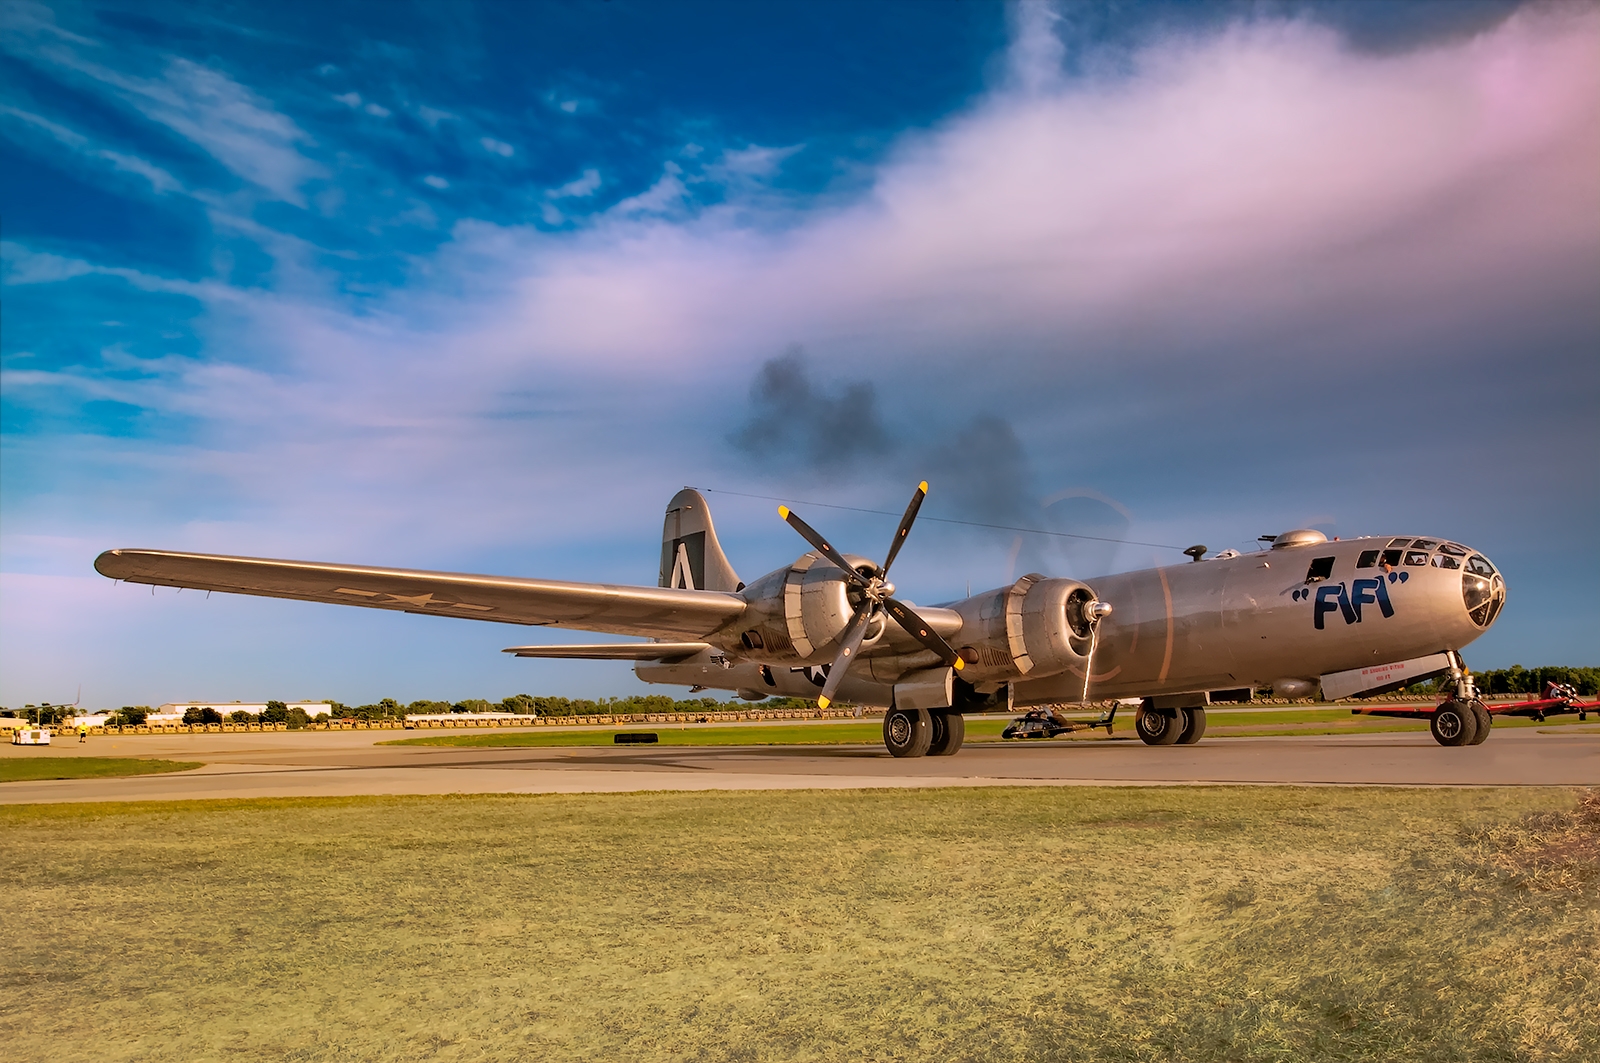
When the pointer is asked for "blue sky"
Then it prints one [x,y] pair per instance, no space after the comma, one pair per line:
[478,287]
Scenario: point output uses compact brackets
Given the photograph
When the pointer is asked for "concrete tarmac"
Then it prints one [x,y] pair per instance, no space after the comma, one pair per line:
[344,763]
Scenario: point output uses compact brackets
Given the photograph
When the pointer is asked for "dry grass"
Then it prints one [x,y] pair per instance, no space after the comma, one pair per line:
[1052,924]
[1547,851]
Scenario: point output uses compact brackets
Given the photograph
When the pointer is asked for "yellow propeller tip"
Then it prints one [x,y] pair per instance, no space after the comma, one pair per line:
[783,511]
[923,487]
[823,703]
[960,664]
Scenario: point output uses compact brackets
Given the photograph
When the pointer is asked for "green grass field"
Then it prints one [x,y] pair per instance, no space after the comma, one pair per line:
[46,766]
[1009,924]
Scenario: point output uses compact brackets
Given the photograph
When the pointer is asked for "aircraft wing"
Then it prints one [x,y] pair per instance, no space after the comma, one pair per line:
[653,612]
[669,652]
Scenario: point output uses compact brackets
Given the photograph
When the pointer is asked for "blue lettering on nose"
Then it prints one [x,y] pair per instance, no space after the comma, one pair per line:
[1370,592]
[1329,598]
[1383,598]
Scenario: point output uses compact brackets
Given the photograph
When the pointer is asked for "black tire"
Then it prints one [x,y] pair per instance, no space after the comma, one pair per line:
[1194,727]
[949,731]
[907,732]
[1158,728]
[1485,721]
[1453,724]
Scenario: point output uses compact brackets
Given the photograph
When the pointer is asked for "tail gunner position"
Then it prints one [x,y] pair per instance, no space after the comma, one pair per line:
[1361,616]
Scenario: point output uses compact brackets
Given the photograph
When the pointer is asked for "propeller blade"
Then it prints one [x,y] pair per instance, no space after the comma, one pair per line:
[812,536]
[905,526]
[849,643]
[918,629]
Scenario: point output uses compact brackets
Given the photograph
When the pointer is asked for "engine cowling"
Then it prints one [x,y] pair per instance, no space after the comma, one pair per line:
[1036,626]
[798,613]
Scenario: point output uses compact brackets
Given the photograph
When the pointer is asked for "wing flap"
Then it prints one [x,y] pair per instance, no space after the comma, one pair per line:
[652,612]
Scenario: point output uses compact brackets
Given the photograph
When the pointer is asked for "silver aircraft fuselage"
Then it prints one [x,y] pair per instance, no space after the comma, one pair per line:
[1280,617]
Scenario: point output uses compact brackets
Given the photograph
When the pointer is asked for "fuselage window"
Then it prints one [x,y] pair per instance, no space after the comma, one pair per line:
[1391,558]
[1367,559]
[1424,544]
[1321,568]
[1445,561]
[1398,542]
[1416,557]
[1480,566]
[1454,549]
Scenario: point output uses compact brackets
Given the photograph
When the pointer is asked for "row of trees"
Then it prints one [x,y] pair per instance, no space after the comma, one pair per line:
[1520,680]
[528,705]
[1513,680]
[390,709]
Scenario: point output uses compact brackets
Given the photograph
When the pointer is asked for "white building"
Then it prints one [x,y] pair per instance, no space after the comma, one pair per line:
[173,711]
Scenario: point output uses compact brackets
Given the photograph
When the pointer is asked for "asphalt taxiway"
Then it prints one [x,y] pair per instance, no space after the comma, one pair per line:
[320,764]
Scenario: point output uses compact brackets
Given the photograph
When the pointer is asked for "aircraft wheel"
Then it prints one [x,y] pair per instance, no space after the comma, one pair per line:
[1194,727]
[907,732]
[1158,728]
[949,731]
[1453,724]
[1484,721]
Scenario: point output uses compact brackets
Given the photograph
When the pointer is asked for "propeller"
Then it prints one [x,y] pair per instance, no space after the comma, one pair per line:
[877,593]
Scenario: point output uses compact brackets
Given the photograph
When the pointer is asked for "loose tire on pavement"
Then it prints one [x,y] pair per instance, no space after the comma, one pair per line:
[1194,727]
[907,732]
[949,731]
[1158,728]
[1484,720]
[1453,724]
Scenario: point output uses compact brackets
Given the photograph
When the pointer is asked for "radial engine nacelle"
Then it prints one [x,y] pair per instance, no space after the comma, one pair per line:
[1036,626]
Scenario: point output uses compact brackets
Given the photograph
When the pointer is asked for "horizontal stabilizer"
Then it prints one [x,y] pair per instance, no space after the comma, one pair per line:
[615,651]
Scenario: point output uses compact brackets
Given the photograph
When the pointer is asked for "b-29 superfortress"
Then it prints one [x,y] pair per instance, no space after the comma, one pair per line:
[1361,616]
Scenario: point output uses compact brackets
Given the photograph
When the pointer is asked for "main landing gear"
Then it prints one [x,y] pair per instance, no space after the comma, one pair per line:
[919,732]
[1460,723]
[1170,727]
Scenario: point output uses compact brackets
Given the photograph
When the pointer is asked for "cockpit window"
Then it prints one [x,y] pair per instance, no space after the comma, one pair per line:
[1367,559]
[1424,544]
[1391,558]
[1443,560]
[1399,542]
[1480,565]
[1454,549]
[1416,557]
[1321,568]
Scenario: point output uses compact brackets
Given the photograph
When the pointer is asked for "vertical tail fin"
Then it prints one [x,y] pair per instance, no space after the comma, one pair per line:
[690,554]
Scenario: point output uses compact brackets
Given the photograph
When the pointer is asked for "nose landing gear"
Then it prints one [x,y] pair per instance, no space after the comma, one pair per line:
[1461,719]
